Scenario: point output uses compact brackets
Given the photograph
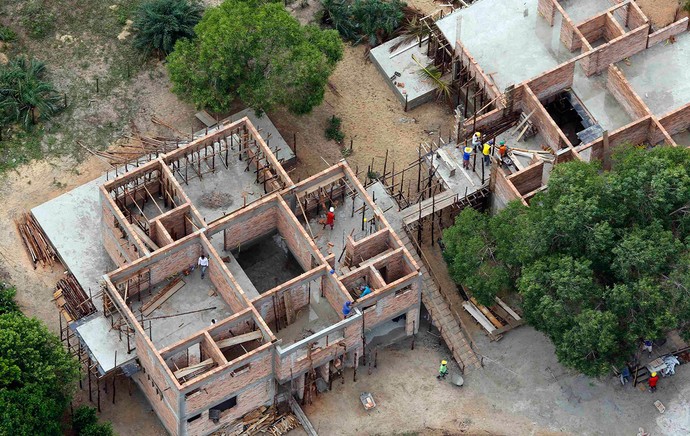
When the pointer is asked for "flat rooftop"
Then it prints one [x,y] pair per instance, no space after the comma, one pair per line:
[532,47]
[581,10]
[660,75]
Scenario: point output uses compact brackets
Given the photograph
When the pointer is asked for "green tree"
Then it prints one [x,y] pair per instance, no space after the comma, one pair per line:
[37,377]
[600,259]
[256,52]
[85,423]
[25,96]
[160,23]
[372,21]
[7,303]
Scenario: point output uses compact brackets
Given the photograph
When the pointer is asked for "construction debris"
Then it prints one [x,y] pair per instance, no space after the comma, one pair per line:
[261,421]
[36,242]
[71,299]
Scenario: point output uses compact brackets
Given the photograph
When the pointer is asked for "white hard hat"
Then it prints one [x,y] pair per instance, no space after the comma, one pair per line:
[332,209]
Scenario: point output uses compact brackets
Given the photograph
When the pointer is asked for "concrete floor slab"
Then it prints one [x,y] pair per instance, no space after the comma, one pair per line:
[193,296]
[416,89]
[581,10]
[532,47]
[661,74]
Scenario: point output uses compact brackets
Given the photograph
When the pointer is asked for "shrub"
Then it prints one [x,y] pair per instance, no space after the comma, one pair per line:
[25,97]
[7,303]
[37,19]
[7,34]
[372,20]
[333,129]
[85,423]
[160,23]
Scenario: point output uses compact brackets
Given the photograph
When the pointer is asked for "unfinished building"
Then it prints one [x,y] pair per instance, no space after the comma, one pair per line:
[266,322]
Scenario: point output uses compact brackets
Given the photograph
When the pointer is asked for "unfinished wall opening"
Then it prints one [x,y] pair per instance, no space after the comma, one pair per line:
[298,309]
[192,359]
[264,245]
[237,337]
[168,296]
[573,118]
[227,170]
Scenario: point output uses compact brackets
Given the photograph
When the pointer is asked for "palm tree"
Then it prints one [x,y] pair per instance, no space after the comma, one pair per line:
[160,23]
[25,96]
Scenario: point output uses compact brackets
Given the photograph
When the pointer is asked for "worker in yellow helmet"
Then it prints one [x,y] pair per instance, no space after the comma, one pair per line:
[486,151]
[476,141]
[443,370]
[653,380]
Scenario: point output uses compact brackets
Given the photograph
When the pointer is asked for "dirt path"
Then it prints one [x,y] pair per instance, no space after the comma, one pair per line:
[660,12]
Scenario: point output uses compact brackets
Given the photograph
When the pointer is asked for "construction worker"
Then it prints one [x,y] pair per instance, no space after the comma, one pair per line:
[346,309]
[647,346]
[653,381]
[502,149]
[476,141]
[443,370]
[467,152]
[366,290]
[330,218]
[486,151]
[203,265]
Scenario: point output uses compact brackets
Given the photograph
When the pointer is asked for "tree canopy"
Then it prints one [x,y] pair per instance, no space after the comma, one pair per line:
[37,376]
[372,21]
[600,259]
[160,23]
[256,52]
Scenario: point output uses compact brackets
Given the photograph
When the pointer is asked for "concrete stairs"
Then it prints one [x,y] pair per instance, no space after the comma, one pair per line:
[441,314]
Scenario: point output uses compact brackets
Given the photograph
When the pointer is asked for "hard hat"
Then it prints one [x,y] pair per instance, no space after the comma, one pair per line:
[477,134]
[468,149]
[654,374]
[332,209]
[443,362]
[502,143]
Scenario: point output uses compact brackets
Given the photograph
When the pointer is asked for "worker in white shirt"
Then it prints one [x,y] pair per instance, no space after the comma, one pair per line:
[203,264]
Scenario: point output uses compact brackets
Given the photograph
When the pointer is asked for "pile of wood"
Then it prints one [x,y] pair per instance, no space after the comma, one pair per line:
[35,241]
[72,300]
[268,421]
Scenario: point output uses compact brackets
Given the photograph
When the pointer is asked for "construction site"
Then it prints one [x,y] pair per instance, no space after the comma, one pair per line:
[278,313]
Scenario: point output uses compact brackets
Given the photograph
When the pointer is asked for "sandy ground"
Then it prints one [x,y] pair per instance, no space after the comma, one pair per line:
[660,12]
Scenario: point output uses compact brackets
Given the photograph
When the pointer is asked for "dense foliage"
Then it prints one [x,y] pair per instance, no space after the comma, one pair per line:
[85,423]
[26,96]
[258,52]
[372,21]
[600,259]
[160,23]
[37,376]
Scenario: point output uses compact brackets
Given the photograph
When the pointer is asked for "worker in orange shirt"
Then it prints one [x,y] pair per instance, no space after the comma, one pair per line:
[330,218]
[653,380]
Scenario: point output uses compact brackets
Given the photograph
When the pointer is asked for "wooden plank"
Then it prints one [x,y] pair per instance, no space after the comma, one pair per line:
[145,238]
[487,313]
[507,308]
[165,293]
[289,313]
[477,315]
[183,372]
[235,340]
[205,118]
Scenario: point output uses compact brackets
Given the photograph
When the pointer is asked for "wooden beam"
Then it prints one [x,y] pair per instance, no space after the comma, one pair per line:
[145,238]
[236,340]
[162,296]
[183,372]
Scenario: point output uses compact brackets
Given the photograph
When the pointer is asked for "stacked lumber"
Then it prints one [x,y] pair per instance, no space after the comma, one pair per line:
[161,297]
[71,299]
[268,420]
[35,241]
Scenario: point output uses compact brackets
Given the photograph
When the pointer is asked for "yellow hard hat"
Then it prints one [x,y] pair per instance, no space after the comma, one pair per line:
[477,134]
[443,362]
[654,374]
[468,149]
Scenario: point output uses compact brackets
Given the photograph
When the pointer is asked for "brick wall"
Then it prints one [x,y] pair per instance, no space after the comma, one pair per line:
[593,29]
[156,374]
[624,94]
[163,411]
[368,247]
[636,17]
[224,385]
[547,9]
[176,223]
[677,121]
[673,29]
[657,134]
[250,228]
[252,398]
[174,261]
[554,81]
[294,239]
[529,179]
[224,285]
[389,307]
[548,129]
[616,50]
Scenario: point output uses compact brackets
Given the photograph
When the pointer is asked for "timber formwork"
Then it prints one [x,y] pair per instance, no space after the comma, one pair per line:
[211,351]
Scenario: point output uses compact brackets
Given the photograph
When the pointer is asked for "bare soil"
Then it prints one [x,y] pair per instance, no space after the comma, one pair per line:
[660,12]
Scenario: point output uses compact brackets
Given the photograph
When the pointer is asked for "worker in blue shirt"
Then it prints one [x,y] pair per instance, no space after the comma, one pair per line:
[366,290]
[346,308]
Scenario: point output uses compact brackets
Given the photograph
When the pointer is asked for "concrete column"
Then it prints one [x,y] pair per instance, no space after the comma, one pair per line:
[323,372]
[412,322]
[299,386]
